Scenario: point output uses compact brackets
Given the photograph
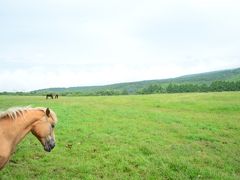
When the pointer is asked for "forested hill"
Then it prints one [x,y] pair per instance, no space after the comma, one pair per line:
[132,87]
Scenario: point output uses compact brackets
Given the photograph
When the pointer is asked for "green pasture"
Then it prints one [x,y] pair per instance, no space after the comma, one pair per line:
[166,136]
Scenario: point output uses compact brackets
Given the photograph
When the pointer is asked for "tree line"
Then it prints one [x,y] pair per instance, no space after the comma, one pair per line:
[216,86]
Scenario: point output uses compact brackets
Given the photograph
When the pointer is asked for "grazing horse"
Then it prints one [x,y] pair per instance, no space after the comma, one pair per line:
[56,96]
[49,95]
[16,123]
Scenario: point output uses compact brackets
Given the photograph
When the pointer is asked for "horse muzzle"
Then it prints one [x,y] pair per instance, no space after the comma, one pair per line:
[49,145]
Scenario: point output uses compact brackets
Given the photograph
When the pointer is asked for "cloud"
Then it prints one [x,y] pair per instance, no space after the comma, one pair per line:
[100,42]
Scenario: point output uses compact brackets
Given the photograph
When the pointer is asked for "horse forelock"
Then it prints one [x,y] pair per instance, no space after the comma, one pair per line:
[53,115]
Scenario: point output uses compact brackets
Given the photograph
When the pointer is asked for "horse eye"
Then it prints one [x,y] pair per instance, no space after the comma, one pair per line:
[53,125]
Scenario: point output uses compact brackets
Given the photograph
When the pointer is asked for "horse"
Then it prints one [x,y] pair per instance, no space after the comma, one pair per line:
[56,96]
[49,95]
[16,123]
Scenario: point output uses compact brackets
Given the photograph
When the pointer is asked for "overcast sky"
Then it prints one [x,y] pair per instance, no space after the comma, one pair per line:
[63,43]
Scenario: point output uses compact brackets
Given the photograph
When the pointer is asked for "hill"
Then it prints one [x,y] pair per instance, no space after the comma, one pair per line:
[131,87]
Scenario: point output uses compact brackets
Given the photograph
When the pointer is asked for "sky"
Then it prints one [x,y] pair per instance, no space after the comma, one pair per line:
[66,43]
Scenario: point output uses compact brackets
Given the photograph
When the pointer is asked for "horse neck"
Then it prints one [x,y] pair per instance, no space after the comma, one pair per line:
[15,130]
[27,121]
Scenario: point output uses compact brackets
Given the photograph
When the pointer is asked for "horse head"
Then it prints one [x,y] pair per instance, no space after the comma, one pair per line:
[44,130]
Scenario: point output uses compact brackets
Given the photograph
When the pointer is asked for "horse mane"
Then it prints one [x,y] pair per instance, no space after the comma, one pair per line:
[14,112]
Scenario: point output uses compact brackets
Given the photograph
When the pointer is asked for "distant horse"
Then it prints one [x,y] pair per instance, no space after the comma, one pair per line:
[16,123]
[56,96]
[49,95]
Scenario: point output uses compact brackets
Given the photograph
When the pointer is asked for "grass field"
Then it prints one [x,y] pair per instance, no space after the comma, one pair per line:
[167,136]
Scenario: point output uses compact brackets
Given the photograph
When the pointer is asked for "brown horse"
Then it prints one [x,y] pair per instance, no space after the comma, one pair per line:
[52,96]
[16,123]
[49,95]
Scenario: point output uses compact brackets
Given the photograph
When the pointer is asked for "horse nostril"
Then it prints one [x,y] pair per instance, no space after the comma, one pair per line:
[52,144]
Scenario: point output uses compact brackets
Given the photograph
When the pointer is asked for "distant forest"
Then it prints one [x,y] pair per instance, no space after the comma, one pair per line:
[216,86]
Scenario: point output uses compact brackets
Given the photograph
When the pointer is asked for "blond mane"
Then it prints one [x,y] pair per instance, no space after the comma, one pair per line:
[14,112]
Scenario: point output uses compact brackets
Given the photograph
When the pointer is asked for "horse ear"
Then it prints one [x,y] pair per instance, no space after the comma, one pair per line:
[48,112]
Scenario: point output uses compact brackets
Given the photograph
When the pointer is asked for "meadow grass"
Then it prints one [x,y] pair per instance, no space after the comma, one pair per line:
[166,136]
